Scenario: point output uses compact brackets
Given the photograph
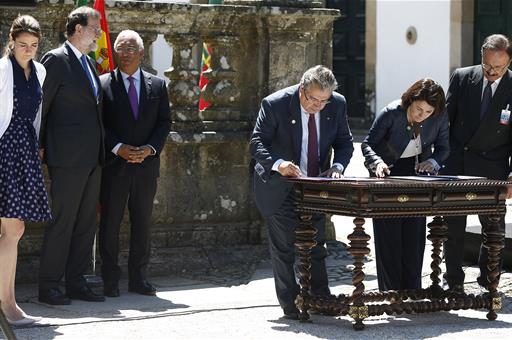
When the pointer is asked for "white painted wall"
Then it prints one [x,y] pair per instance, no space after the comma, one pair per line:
[161,56]
[399,64]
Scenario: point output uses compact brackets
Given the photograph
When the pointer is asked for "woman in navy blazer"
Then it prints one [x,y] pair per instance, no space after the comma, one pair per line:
[408,137]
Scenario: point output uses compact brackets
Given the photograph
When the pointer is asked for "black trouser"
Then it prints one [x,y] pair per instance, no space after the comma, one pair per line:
[116,190]
[454,250]
[68,238]
[400,243]
[399,249]
[281,234]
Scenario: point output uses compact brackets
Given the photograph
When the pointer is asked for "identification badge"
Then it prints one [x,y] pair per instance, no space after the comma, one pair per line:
[505,116]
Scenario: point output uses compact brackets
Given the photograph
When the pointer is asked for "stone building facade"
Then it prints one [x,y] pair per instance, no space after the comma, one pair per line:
[204,196]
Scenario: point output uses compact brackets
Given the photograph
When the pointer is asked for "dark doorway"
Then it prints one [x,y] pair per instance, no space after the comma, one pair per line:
[491,16]
[348,57]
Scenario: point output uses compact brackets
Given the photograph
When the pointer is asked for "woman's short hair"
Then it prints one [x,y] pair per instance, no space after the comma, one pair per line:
[22,24]
[427,90]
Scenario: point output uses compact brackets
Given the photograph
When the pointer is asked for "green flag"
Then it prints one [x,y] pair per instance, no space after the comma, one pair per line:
[81,3]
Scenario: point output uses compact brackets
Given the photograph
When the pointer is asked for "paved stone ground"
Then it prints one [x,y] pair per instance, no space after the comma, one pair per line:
[233,298]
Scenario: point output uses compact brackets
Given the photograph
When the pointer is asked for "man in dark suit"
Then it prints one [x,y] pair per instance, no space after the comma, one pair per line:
[72,138]
[137,121]
[478,102]
[296,130]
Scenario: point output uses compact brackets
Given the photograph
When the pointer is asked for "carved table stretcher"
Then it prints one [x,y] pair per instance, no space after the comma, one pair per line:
[388,198]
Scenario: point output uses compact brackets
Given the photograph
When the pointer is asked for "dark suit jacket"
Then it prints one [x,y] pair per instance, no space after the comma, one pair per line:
[478,147]
[151,127]
[391,133]
[278,135]
[72,128]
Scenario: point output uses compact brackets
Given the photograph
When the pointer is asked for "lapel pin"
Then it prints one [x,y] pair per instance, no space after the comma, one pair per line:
[293,121]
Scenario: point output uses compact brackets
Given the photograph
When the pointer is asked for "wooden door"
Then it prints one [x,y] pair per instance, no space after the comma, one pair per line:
[349,57]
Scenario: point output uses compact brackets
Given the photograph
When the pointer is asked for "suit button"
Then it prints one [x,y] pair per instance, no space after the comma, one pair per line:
[466,148]
[484,153]
[461,123]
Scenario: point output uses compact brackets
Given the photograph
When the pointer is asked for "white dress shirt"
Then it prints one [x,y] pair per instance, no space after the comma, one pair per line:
[79,55]
[304,147]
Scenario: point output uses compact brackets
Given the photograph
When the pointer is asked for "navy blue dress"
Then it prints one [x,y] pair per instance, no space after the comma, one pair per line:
[22,191]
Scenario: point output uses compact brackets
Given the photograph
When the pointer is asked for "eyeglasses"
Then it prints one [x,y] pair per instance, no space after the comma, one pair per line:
[129,49]
[498,69]
[315,100]
[25,46]
[95,30]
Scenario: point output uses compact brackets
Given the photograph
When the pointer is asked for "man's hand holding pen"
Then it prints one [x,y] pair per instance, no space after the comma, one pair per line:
[288,169]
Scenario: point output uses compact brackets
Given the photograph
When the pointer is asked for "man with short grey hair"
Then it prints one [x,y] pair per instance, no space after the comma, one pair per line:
[478,102]
[137,122]
[296,130]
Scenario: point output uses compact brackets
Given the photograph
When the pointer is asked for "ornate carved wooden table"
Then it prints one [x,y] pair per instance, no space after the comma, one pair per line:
[388,198]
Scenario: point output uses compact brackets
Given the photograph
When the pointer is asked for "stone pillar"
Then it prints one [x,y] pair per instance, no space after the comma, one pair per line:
[184,76]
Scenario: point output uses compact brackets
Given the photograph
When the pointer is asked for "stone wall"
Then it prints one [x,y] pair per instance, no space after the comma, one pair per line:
[204,196]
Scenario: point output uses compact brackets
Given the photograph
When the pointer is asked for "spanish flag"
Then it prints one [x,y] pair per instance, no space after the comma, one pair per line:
[103,55]
[205,65]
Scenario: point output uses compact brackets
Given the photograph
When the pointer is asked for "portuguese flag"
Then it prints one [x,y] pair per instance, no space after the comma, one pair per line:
[205,65]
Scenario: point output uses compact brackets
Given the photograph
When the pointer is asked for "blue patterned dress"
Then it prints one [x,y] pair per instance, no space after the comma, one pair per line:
[22,191]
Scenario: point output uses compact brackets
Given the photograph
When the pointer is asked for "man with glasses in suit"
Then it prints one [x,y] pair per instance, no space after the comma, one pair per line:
[296,130]
[137,121]
[478,102]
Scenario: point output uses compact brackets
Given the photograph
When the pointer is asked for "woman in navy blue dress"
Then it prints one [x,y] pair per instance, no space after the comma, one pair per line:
[23,195]
[409,136]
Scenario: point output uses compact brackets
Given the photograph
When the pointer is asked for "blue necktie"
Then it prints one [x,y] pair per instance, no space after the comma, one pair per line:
[486,99]
[86,69]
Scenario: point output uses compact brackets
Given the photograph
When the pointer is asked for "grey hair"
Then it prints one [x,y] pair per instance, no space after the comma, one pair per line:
[321,76]
[497,42]
[130,34]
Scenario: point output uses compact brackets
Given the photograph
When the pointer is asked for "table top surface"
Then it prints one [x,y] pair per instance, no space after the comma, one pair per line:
[404,181]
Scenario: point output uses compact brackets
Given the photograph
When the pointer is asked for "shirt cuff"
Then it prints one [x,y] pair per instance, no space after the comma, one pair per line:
[276,165]
[338,166]
[434,163]
[116,148]
[153,151]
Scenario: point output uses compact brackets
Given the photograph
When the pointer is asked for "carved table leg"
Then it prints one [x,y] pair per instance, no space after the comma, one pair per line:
[437,234]
[494,241]
[358,249]
[305,241]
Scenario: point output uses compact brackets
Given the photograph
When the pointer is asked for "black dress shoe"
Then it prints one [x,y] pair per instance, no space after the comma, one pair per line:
[111,289]
[53,296]
[86,294]
[291,314]
[456,289]
[142,287]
